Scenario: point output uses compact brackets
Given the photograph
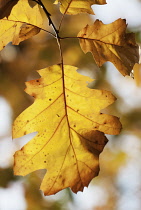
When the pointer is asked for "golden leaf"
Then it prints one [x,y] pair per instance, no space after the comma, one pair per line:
[22,24]
[66,115]
[110,43]
[73,7]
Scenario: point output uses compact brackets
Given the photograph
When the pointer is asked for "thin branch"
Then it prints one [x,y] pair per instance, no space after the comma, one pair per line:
[75,37]
[48,32]
[64,15]
[61,21]
[49,18]
[55,30]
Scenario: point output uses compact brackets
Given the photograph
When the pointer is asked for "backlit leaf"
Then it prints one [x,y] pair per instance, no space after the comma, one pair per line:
[66,115]
[110,43]
[73,7]
[22,24]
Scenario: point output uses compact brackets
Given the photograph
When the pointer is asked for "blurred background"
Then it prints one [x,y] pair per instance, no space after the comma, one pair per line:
[118,186]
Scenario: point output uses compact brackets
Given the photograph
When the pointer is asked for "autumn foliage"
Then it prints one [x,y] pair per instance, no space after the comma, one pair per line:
[66,114]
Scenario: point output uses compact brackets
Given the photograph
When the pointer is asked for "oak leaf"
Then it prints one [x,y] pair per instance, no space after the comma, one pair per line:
[66,115]
[73,7]
[23,23]
[110,43]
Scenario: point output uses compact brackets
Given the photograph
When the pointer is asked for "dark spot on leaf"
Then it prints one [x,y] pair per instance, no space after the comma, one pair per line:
[45,161]
[27,121]
[77,110]
[25,133]
[33,95]
[58,115]
[63,181]
[50,99]
[37,80]
[74,126]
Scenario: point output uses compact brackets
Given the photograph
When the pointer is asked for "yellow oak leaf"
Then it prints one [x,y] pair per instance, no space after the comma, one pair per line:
[110,43]
[66,115]
[73,7]
[23,23]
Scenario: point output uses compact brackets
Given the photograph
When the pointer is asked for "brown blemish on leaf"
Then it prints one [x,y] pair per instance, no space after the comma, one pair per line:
[33,95]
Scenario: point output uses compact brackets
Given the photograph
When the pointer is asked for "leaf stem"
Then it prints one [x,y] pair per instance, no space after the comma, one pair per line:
[49,18]
[64,14]
[69,37]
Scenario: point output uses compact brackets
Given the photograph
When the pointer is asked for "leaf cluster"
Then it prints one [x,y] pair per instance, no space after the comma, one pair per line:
[66,113]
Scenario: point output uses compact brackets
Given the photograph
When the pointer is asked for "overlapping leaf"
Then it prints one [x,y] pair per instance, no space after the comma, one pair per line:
[73,7]
[66,115]
[110,43]
[6,6]
[22,24]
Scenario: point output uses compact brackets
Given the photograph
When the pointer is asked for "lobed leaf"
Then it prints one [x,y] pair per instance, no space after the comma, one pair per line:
[23,23]
[66,115]
[73,7]
[110,43]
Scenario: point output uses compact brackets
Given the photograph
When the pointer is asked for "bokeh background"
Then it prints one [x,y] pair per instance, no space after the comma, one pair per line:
[118,186]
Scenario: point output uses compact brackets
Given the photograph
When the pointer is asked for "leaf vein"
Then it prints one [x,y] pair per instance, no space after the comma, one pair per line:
[46,142]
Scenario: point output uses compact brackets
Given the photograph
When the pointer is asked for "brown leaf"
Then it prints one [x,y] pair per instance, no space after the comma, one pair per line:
[110,43]
[6,7]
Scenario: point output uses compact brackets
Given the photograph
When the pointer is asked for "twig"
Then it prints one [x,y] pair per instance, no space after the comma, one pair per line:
[49,18]
[64,14]
[55,30]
